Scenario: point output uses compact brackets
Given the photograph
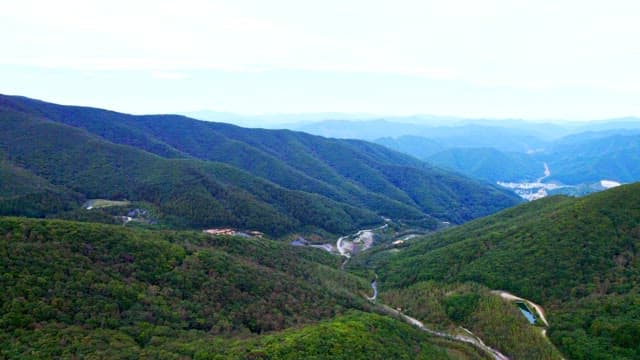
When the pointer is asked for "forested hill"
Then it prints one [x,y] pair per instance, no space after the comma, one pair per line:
[76,290]
[579,258]
[201,174]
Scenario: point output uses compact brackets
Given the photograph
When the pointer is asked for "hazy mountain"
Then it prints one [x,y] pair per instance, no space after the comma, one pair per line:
[489,164]
[574,160]
[589,159]
[462,135]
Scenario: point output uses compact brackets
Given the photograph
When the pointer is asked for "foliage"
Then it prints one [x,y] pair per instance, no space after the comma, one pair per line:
[497,322]
[576,257]
[98,291]
[275,181]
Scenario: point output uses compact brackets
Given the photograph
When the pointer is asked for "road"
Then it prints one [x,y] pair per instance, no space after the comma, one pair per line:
[374,287]
[471,339]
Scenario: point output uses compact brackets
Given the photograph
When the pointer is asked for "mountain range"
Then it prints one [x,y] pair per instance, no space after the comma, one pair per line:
[578,156]
[203,174]
[103,253]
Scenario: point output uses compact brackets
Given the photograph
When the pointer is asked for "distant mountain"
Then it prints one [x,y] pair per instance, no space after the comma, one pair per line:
[458,135]
[578,258]
[489,164]
[577,162]
[291,121]
[417,146]
[204,174]
[627,123]
[589,158]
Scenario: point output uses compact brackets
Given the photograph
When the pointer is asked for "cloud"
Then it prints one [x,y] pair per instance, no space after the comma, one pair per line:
[165,75]
[493,43]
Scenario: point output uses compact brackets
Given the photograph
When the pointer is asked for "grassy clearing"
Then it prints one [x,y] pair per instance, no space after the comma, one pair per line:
[103,203]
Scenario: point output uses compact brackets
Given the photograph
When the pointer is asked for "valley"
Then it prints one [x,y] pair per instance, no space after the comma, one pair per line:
[293,180]
[229,245]
[583,157]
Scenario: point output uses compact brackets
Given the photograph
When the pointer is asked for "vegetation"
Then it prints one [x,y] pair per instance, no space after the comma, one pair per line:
[202,174]
[91,290]
[497,322]
[576,257]
[589,158]
[187,193]
[579,159]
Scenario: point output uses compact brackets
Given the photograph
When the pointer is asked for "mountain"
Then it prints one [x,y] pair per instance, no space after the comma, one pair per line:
[417,146]
[591,158]
[448,136]
[102,291]
[489,164]
[625,123]
[204,174]
[531,133]
[577,163]
[577,257]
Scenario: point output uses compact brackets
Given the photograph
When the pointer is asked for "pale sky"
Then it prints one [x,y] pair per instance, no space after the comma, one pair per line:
[544,59]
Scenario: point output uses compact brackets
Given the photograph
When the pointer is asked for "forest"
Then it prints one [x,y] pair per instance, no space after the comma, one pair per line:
[577,257]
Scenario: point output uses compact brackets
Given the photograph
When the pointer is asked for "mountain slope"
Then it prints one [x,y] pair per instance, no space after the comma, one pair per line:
[358,177]
[189,192]
[579,258]
[90,290]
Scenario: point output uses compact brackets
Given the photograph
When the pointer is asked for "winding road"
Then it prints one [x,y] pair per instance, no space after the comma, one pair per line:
[471,339]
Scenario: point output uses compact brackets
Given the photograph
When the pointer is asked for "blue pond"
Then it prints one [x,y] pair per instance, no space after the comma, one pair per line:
[525,311]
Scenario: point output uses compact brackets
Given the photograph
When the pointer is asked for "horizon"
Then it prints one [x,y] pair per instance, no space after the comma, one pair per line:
[272,119]
[489,60]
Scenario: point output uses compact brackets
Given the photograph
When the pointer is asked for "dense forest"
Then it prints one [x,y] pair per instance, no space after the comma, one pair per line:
[79,284]
[576,257]
[91,290]
[472,306]
[202,174]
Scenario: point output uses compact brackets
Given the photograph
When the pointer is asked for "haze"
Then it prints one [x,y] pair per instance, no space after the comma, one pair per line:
[573,60]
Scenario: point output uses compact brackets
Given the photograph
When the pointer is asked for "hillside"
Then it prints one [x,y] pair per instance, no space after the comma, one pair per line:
[189,192]
[578,258]
[202,174]
[76,289]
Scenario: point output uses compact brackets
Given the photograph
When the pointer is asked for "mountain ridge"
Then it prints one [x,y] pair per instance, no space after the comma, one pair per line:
[366,178]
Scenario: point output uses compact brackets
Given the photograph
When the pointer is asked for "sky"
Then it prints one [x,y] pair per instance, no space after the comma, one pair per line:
[543,59]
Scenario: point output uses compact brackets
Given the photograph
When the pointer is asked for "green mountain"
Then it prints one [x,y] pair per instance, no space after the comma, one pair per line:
[76,290]
[578,258]
[202,174]
[577,159]
[592,157]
